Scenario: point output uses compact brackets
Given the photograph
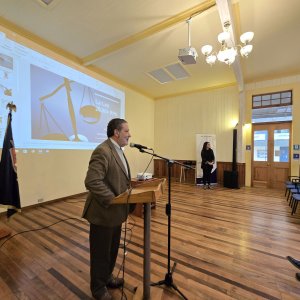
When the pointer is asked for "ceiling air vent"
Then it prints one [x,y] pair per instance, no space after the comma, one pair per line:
[160,75]
[169,73]
[177,71]
[47,3]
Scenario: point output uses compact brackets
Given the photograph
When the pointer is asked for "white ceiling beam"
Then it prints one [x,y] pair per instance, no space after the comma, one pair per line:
[224,10]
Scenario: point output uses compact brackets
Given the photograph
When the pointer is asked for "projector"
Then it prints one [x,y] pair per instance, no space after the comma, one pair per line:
[188,55]
[143,176]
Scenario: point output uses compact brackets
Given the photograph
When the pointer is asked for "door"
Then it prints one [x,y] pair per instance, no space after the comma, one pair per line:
[271,154]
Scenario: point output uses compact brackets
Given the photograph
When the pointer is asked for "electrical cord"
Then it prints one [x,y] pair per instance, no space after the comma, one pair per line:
[129,230]
[75,201]
[124,245]
[63,220]
[37,229]
[122,267]
[148,164]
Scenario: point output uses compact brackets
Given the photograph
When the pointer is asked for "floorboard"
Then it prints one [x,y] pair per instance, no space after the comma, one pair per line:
[227,244]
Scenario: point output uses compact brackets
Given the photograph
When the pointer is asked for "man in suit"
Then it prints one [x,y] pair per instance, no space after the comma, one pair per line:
[107,177]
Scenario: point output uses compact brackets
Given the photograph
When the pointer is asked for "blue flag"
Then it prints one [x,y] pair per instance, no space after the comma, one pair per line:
[9,187]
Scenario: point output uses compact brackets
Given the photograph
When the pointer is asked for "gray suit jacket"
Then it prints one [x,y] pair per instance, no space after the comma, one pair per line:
[106,178]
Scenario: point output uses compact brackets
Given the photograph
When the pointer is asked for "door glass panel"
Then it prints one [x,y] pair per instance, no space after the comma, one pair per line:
[281,145]
[260,152]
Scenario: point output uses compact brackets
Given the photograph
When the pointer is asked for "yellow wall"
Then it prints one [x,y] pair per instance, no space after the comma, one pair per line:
[44,176]
[270,86]
[179,119]
[169,125]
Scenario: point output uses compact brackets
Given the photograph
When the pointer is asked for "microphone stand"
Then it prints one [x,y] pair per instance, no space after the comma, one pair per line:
[168,281]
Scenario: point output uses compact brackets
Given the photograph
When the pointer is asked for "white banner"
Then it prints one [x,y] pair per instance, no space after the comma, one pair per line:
[200,140]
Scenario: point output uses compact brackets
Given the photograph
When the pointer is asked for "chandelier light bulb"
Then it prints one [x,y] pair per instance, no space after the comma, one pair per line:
[211,59]
[246,50]
[228,54]
[223,36]
[230,60]
[228,49]
[206,50]
[247,37]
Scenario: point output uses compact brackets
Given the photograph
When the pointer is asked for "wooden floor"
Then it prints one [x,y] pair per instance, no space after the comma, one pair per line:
[228,244]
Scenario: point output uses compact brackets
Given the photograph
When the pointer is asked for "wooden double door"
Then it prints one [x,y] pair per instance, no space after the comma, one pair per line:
[271,154]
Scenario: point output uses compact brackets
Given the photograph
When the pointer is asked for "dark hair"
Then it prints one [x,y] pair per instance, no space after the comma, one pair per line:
[114,124]
[205,146]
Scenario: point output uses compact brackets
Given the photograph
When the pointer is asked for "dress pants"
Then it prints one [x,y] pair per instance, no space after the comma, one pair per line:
[207,174]
[104,246]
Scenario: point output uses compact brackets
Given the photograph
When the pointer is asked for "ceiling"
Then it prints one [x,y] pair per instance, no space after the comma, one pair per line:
[126,39]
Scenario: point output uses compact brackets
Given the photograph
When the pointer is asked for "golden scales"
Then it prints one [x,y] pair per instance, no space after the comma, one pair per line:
[89,113]
[6,91]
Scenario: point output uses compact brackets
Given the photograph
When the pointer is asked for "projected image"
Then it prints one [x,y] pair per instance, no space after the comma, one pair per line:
[58,107]
[65,110]
[6,61]
[6,66]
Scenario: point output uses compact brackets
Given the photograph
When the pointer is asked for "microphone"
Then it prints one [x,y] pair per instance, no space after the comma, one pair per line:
[139,146]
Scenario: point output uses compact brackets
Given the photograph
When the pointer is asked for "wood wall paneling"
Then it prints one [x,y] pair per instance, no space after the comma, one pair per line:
[160,170]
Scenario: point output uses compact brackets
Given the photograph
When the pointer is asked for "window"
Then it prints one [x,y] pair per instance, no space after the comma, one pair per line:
[272,107]
[281,145]
[260,145]
[272,99]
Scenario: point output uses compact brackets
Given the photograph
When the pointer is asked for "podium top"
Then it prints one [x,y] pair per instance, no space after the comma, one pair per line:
[142,192]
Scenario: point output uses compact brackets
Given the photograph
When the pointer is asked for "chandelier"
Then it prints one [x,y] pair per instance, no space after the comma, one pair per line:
[228,51]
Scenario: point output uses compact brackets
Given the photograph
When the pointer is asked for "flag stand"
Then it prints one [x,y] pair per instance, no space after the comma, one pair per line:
[9,188]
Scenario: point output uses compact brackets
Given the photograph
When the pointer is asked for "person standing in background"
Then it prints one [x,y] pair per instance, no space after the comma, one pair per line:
[107,177]
[208,159]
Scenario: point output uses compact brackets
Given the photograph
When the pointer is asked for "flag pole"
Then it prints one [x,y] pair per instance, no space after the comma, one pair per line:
[5,231]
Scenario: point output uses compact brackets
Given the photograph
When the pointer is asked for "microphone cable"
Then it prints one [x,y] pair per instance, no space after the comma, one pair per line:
[40,228]
[124,245]
[148,164]
[122,267]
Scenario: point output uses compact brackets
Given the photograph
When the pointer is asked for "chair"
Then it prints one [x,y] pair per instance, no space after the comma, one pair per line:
[291,189]
[291,178]
[291,184]
[182,173]
[295,200]
[292,192]
[183,169]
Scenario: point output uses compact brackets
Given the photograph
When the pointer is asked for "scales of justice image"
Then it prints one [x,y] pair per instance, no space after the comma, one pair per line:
[89,112]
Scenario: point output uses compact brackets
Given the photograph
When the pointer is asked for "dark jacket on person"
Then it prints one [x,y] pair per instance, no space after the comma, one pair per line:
[106,178]
[207,155]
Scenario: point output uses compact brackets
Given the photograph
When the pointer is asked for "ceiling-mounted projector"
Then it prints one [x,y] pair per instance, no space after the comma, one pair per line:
[188,55]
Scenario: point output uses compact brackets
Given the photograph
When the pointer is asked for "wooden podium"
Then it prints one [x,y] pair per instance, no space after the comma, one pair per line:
[144,192]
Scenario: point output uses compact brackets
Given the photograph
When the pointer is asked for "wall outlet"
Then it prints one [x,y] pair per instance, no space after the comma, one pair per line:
[40,200]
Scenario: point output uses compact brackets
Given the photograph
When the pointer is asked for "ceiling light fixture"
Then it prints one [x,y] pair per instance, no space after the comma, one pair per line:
[227,54]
